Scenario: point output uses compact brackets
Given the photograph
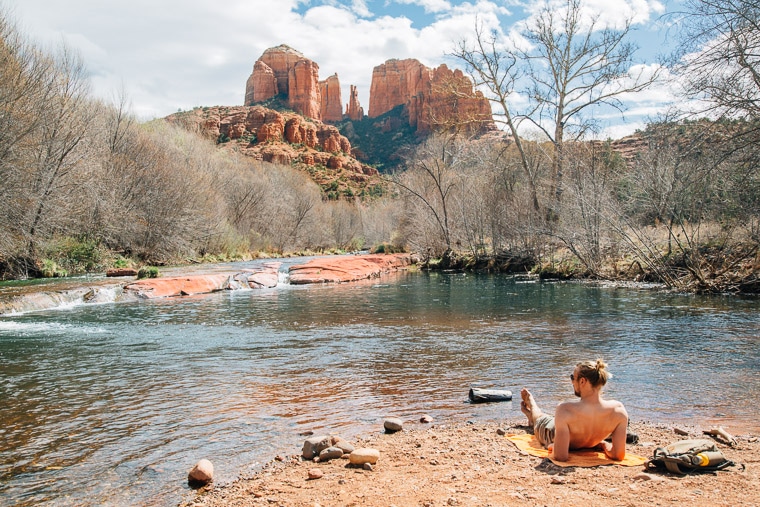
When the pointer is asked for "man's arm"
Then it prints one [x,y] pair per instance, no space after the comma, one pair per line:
[616,451]
[561,449]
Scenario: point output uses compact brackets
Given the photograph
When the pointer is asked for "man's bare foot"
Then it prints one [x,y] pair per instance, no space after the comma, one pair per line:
[529,407]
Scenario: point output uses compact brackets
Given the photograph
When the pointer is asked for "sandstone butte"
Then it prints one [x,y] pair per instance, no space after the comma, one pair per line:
[431,98]
[286,72]
[346,268]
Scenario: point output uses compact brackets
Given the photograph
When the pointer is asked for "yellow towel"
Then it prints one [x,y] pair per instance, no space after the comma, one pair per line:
[579,458]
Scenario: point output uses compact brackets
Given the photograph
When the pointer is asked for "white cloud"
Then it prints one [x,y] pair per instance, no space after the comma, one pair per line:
[176,54]
[433,6]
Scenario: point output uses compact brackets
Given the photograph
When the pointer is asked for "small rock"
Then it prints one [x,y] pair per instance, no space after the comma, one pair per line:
[426,419]
[643,476]
[343,445]
[279,458]
[368,467]
[315,473]
[364,455]
[314,445]
[679,431]
[330,453]
[752,439]
[202,473]
[393,424]
[501,432]
[558,479]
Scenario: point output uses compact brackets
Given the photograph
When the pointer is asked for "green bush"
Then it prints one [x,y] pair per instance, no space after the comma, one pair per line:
[52,270]
[148,272]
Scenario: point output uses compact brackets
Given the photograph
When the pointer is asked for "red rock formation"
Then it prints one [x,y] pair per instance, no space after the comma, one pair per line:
[261,85]
[304,96]
[353,110]
[393,83]
[432,98]
[178,286]
[283,70]
[347,268]
[332,109]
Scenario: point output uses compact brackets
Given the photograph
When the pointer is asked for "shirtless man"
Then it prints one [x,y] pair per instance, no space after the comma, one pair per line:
[581,424]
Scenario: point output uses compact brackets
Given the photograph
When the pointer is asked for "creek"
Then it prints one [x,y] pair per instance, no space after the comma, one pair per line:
[111,404]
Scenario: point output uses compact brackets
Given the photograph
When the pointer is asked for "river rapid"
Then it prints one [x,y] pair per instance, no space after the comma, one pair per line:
[112,403]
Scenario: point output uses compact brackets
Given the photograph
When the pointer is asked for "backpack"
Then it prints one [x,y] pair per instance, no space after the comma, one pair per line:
[689,456]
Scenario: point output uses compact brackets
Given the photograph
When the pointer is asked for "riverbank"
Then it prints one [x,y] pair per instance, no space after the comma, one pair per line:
[466,464]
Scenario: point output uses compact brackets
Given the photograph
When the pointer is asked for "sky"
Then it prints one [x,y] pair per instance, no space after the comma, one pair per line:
[170,55]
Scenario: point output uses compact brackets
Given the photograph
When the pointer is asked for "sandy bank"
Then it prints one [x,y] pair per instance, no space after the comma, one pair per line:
[473,465]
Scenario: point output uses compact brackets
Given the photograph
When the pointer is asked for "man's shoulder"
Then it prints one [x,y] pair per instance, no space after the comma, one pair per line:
[617,408]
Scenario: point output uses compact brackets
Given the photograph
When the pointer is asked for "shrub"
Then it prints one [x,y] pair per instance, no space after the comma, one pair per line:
[148,272]
[52,270]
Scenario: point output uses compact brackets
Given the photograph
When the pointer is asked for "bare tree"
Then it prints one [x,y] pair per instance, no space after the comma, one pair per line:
[61,149]
[719,54]
[571,64]
[430,180]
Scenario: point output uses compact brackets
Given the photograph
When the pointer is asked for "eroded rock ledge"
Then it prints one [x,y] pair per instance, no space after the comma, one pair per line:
[336,269]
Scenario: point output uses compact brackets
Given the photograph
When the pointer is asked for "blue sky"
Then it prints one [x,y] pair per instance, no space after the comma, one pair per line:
[178,54]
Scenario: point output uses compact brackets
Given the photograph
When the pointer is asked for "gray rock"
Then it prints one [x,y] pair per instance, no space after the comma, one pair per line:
[314,445]
[343,444]
[393,424]
[330,453]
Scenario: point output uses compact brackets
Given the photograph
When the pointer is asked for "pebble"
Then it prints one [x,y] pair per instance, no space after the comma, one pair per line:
[368,467]
[315,473]
[501,432]
[364,455]
[345,446]
[426,419]
[330,453]
[643,476]
[393,424]
[202,472]
[558,480]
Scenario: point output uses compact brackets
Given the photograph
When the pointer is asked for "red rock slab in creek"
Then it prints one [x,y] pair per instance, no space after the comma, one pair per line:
[178,286]
[346,268]
[264,276]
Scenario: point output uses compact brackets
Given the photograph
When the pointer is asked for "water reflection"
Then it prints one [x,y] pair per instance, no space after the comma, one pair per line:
[113,403]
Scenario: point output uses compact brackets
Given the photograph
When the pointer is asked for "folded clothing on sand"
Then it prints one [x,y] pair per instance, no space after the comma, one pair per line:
[578,458]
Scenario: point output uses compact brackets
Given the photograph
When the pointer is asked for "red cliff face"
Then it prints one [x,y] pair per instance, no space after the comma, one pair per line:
[433,98]
[285,71]
[272,136]
[331,102]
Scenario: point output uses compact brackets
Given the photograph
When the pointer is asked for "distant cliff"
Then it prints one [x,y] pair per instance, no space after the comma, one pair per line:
[431,98]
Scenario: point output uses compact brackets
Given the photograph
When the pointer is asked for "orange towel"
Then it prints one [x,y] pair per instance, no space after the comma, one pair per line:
[528,444]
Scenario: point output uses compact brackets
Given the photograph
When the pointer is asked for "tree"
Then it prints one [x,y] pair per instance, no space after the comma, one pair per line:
[570,64]
[430,180]
[719,55]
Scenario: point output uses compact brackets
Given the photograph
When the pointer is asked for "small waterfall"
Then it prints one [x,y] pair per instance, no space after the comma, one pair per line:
[283,277]
[59,299]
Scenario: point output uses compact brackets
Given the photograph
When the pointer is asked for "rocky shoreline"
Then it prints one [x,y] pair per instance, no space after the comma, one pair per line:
[472,464]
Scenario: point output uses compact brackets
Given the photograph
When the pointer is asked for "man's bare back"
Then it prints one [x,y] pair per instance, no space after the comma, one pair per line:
[581,424]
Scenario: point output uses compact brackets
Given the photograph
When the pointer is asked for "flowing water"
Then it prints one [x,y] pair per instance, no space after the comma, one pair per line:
[111,404]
